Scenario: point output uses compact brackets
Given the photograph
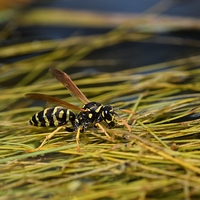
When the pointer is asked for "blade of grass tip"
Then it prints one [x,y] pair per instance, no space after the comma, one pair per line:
[154,135]
[135,106]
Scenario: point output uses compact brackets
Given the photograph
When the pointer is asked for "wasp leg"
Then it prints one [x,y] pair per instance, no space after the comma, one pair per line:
[77,138]
[48,137]
[104,130]
[124,121]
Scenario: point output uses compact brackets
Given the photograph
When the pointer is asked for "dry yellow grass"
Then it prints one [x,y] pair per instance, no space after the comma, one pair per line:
[159,158]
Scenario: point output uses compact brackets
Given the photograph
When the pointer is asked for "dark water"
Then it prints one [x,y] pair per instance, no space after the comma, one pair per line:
[178,7]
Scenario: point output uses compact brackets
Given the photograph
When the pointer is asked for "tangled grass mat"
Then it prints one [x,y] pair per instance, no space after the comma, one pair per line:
[159,158]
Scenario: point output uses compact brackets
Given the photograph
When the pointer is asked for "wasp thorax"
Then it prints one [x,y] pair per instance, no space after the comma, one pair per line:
[90,115]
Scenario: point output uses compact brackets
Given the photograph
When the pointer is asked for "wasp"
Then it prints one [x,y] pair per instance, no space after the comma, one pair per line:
[92,113]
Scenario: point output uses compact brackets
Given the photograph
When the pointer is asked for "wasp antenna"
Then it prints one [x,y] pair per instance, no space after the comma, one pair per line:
[128,111]
[125,123]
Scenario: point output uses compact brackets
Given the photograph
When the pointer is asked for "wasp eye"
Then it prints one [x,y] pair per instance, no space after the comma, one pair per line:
[108,113]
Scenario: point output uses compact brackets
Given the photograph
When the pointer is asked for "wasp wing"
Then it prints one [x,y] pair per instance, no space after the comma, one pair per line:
[50,99]
[69,84]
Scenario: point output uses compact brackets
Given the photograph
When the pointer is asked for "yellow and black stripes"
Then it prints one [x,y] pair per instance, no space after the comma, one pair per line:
[52,117]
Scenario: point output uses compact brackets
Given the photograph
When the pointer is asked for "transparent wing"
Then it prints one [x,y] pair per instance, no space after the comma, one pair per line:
[51,99]
[69,84]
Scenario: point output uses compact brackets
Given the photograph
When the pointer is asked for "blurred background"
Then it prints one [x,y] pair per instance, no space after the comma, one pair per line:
[96,36]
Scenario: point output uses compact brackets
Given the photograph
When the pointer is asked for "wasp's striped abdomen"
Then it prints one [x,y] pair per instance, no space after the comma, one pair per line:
[51,117]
